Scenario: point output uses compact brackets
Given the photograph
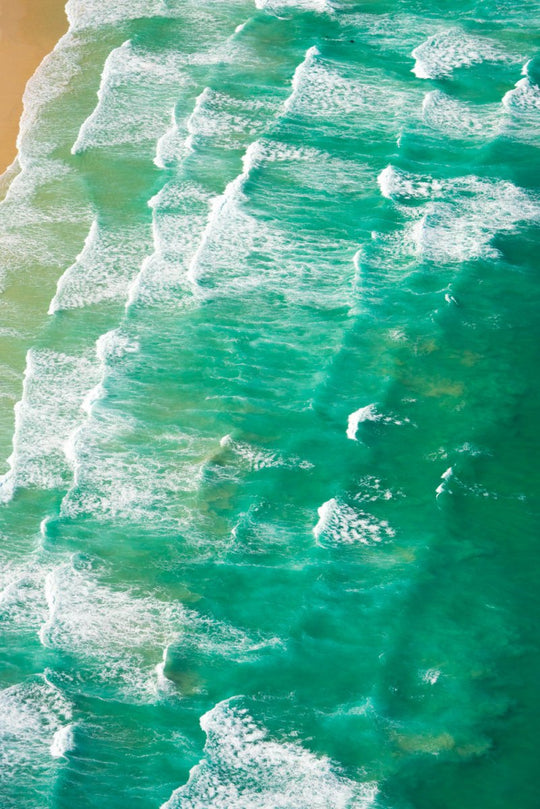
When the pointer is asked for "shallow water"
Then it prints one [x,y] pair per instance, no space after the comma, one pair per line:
[268,423]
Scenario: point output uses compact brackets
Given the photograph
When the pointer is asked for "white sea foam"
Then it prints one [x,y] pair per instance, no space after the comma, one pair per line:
[221,51]
[228,121]
[103,270]
[46,191]
[322,89]
[361,100]
[452,48]
[372,490]
[31,715]
[431,676]
[223,209]
[113,477]
[313,170]
[300,76]
[23,605]
[445,477]
[256,458]
[52,79]
[396,184]
[169,145]
[522,108]
[217,256]
[114,633]
[217,117]
[244,768]
[114,480]
[178,226]
[280,6]
[63,741]
[115,344]
[459,120]
[367,413]
[94,13]
[118,636]
[370,413]
[180,213]
[29,243]
[182,227]
[193,230]
[340,524]
[239,251]
[129,487]
[137,91]
[525,97]
[134,288]
[325,513]
[163,683]
[54,388]
[19,206]
[456,219]
[464,228]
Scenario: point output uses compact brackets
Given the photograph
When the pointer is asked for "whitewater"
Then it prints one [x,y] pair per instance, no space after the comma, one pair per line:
[269,404]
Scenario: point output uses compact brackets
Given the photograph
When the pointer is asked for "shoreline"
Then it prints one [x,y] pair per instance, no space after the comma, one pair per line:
[29,30]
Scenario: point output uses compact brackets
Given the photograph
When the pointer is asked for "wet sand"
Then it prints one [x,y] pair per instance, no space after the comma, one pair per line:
[29,29]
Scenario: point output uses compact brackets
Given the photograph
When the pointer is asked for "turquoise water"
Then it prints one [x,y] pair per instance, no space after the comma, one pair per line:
[269,410]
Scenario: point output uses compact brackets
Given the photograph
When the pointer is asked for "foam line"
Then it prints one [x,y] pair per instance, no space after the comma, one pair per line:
[445,477]
[368,413]
[279,6]
[89,14]
[300,75]
[449,49]
[455,219]
[118,636]
[456,119]
[63,741]
[340,524]
[138,88]
[33,715]
[219,206]
[244,768]
[54,388]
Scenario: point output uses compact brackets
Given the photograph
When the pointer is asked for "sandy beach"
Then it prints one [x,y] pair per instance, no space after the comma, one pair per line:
[29,29]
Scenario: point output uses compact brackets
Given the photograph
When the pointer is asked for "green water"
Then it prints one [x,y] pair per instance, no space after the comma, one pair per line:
[270,487]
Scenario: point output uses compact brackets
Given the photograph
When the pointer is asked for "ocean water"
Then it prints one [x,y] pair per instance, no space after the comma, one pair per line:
[269,409]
